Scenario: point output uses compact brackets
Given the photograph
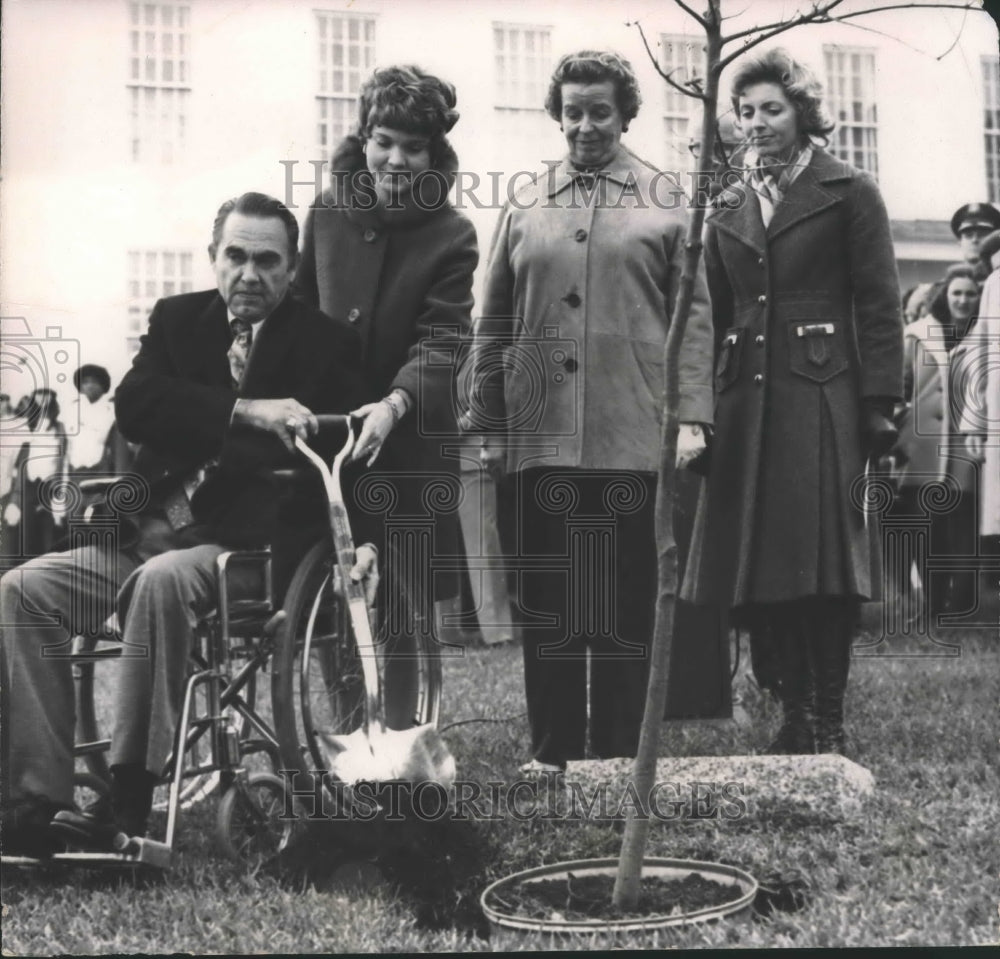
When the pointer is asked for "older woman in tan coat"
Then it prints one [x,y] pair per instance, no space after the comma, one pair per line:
[581,282]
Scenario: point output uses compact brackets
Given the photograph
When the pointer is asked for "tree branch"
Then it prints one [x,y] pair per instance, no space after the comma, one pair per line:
[900,6]
[691,13]
[801,18]
[822,15]
[686,90]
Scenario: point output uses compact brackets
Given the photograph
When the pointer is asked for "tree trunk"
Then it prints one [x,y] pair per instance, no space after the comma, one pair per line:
[627,883]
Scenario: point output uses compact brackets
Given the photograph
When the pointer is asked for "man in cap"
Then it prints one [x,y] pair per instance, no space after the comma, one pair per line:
[971,224]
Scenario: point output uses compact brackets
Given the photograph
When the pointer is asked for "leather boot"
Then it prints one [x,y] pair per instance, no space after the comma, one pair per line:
[795,669]
[831,643]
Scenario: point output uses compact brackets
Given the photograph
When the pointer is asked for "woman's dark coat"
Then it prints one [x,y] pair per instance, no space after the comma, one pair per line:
[807,323]
[403,279]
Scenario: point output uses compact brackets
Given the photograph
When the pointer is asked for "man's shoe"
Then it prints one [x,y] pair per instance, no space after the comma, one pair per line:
[24,830]
[93,829]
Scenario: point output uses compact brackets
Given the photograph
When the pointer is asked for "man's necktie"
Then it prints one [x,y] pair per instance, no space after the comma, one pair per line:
[239,351]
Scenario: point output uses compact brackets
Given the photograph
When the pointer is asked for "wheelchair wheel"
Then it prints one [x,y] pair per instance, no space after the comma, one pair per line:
[92,704]
[317,683]
[250,827]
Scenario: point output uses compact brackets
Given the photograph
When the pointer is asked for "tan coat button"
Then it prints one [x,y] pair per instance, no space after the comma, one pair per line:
[370,235]
[354,315]
[762,298]
[759,378]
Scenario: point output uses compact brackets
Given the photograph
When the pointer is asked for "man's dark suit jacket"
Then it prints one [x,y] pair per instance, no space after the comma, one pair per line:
[177,402]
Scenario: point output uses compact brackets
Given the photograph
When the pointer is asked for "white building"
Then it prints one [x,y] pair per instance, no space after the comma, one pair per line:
[127,122]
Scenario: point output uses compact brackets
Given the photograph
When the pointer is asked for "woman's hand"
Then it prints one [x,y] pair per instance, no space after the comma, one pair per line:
[365,569]
[691,443]
[379,420]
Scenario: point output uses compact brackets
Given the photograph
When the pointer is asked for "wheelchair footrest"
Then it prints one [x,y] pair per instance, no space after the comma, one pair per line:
[144,852]
[148,852]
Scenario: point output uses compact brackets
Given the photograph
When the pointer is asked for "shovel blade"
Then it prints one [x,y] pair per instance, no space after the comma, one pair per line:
[407,755]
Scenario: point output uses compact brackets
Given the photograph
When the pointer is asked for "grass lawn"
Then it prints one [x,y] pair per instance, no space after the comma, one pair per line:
[920,866]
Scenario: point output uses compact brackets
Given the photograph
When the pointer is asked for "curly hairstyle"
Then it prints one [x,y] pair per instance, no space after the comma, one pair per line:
[939,302]
[799,83]
[595,66]
[409,99]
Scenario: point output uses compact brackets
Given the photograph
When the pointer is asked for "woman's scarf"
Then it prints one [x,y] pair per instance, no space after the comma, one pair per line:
[770,177]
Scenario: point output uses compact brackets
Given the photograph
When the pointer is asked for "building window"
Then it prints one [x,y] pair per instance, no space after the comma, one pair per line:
[153,274]
[683,59]
[991,125]
[523,58]
[850,83]
[346,58]
[159,79]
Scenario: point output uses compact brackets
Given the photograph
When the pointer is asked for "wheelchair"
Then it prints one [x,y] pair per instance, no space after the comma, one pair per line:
[263,753]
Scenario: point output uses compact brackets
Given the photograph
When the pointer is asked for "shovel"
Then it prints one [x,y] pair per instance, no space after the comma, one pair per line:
[372,753]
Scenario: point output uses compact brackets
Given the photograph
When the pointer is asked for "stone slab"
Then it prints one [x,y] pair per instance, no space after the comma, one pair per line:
[824,788]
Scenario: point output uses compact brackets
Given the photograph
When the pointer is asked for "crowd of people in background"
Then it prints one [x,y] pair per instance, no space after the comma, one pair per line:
[47,451]
[939,466]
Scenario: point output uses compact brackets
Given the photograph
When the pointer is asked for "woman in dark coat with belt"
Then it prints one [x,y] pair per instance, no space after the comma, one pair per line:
[384,249]
[808,335]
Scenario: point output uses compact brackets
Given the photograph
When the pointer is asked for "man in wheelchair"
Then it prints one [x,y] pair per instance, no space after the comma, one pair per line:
[223,383]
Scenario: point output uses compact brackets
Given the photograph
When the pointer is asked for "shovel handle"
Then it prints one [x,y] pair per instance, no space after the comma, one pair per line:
[343,545]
